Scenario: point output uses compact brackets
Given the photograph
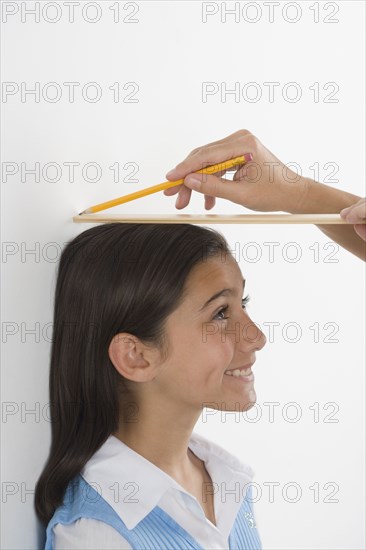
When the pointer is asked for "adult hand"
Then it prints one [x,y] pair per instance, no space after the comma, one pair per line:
[263,184]
[356,214]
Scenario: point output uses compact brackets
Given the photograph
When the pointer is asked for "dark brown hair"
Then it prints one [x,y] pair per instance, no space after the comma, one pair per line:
[111,278]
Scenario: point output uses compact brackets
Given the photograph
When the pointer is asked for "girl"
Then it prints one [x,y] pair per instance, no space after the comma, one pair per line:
[150,327]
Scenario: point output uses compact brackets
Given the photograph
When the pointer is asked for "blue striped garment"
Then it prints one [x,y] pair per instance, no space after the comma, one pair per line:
[157,531]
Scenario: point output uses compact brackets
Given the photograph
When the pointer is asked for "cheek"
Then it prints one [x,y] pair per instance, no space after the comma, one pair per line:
[218,351]
[199,354]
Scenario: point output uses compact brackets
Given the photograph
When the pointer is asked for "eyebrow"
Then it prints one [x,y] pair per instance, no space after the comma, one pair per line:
[218,294]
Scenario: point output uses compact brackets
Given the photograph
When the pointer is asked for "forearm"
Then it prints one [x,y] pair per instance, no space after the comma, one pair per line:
[318,198]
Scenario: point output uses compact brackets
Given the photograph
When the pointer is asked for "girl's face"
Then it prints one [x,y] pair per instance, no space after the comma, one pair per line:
[209,334]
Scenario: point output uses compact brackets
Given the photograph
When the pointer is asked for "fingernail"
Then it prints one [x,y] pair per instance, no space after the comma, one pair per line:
[193,182]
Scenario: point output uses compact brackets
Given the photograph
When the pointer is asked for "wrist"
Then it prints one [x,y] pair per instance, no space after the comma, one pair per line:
[312,197]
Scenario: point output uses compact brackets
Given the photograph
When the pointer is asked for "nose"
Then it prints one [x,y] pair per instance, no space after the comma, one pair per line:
[252,338]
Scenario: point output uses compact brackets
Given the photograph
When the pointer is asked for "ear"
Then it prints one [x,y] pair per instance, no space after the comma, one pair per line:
[131,358]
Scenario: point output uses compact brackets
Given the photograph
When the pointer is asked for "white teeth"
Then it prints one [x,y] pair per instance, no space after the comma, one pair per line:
[239,372]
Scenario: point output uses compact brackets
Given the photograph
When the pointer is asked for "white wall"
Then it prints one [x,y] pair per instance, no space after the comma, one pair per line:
[169,52]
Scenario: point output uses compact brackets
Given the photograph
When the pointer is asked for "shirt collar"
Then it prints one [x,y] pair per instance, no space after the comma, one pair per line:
[133,486]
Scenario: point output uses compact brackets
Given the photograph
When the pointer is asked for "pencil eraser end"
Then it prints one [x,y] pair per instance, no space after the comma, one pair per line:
[248,157]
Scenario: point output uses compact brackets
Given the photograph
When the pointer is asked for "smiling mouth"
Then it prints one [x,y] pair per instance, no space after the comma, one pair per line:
[242,373]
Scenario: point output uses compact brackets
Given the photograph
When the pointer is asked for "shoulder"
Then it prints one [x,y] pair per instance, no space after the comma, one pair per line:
[88,534]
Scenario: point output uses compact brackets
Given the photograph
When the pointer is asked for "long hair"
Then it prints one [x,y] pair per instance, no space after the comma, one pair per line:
[111,278]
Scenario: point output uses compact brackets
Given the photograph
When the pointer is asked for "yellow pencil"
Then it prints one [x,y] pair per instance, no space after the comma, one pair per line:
[161,186]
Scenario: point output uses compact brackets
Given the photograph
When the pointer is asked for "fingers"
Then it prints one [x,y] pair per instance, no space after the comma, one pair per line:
[209,202]
[211,155]
[212,186]
[234,145]
[356,213]
[172,190]
[184,196]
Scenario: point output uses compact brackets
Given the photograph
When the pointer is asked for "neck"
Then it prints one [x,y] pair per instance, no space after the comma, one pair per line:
[161,435]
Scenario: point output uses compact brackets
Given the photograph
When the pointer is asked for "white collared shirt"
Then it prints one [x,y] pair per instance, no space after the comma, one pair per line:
[133,486]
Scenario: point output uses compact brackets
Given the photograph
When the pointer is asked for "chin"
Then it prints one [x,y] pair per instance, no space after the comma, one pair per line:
[250,402]
[247,402]
[242,404]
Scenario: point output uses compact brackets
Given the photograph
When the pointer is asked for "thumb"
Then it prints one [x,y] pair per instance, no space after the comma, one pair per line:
[214,186]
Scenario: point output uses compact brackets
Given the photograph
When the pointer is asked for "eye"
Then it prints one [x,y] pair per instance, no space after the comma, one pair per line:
[218,315]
